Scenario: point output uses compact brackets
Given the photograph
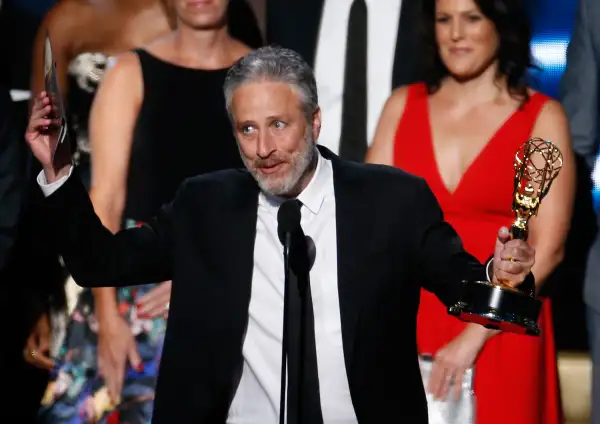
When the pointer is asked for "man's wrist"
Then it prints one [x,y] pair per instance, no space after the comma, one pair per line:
[51,175]
[48,188]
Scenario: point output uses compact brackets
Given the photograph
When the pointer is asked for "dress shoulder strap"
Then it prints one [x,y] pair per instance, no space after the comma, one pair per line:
[534,105]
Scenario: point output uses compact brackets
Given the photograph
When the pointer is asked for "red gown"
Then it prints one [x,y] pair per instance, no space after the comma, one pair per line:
[516,377]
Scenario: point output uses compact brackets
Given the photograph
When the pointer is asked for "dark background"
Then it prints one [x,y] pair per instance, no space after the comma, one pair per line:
[552,24]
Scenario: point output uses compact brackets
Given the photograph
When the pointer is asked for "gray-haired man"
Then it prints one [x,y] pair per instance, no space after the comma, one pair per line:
[378,234]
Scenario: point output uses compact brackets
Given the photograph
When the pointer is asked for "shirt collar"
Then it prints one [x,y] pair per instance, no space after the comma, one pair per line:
[313,195]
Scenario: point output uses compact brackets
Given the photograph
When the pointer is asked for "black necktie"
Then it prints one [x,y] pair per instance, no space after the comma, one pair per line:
[353,140]
[304,403]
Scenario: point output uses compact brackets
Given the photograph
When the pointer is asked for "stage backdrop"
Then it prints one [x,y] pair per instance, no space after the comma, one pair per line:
[552,24]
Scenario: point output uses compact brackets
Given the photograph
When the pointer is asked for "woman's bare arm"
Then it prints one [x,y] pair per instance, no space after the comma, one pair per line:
[548,230]
[112,121]
[63,22]
[381,150]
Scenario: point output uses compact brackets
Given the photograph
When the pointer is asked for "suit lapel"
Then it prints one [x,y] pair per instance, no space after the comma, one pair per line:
[352,230]
[241,234]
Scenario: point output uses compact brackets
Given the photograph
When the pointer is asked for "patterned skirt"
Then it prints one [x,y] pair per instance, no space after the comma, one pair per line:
[77,394]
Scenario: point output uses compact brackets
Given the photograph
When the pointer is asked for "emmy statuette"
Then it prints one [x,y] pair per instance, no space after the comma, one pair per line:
[496,305]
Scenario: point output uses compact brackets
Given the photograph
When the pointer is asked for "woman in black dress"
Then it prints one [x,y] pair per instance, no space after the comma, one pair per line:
[158,118]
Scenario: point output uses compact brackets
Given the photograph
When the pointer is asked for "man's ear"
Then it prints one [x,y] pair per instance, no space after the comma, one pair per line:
[316,123]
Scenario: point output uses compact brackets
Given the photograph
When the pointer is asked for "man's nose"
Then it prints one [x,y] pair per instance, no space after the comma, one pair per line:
[266,145]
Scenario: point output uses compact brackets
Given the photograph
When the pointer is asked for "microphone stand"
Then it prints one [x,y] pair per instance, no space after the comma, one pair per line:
[303,281]
[297,277]
[286,313]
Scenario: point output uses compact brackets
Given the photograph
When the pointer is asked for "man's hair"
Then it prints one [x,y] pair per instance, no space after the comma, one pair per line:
[274,64]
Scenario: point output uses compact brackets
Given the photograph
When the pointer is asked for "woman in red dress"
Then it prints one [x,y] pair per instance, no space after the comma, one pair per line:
[459,130]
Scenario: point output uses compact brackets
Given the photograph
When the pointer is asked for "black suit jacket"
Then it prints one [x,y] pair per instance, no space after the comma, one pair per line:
[13,176]
[296,25]
[391,240]
[25,265]
[30,273]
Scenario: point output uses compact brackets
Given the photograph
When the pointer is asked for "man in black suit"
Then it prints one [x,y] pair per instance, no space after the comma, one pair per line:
[360,50]
[378,233]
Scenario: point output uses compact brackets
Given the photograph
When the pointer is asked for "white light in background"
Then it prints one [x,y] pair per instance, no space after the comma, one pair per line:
[550,52]
[596,179]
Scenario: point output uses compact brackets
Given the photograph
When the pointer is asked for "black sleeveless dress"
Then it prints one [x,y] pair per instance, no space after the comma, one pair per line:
[182,130]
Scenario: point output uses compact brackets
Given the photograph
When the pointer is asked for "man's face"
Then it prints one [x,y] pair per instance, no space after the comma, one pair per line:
[275,140]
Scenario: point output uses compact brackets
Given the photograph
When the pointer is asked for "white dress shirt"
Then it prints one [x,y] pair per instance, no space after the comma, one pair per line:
[383,17]
[256,400]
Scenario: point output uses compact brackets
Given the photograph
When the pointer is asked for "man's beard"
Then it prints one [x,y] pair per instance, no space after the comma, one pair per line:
[278,184]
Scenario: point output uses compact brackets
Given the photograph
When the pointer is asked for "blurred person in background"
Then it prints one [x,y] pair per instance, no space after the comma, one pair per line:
[12,191]
[580,94]
[19,22]
[12,176]
[83,34]
[360,50]
[30,274]
[143,133]
[460,130]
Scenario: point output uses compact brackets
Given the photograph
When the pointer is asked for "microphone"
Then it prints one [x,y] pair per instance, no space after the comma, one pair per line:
[288,221]
[302,248]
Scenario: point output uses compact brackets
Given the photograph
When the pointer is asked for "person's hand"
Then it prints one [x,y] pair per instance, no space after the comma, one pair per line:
[155,303]
[37,346]
[452,361]
[513,259]
[42,132]
[116,346]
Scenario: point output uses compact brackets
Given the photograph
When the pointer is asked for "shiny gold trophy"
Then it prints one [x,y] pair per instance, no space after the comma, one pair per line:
[497,305]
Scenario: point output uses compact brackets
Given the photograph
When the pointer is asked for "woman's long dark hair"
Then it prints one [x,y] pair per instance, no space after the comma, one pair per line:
[514,54]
